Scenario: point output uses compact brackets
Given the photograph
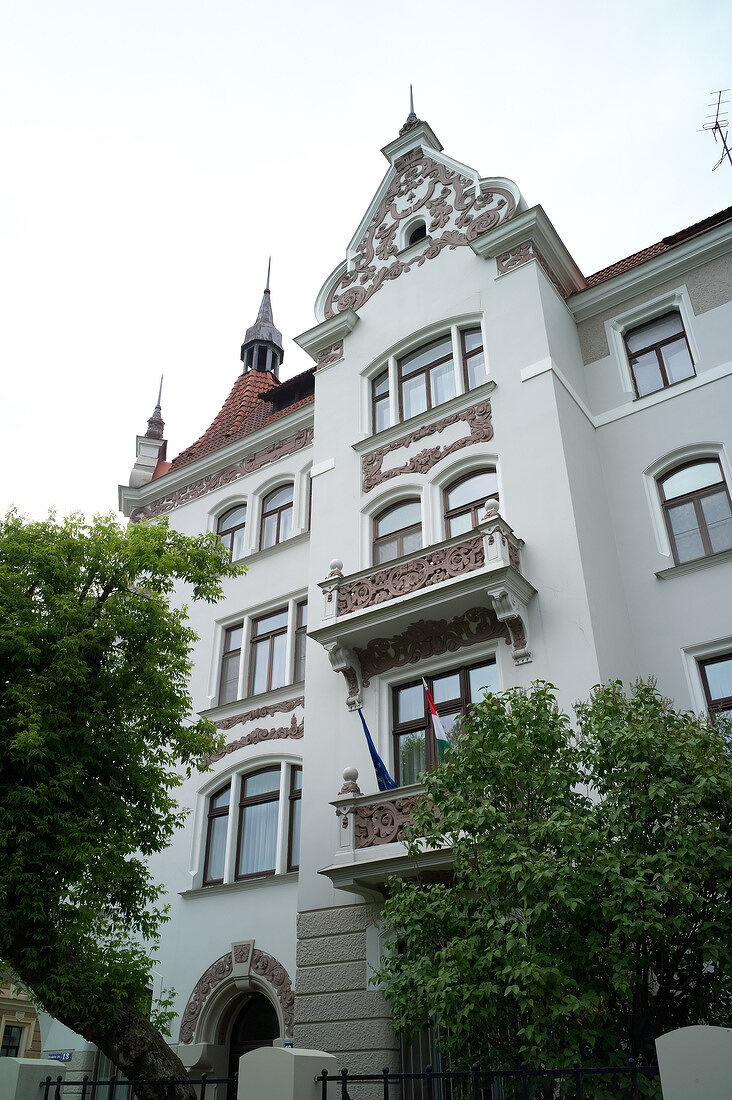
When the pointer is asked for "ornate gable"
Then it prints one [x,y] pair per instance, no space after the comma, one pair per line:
[456,206]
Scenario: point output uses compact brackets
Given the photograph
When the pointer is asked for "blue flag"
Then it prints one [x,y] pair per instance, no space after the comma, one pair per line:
[385,781]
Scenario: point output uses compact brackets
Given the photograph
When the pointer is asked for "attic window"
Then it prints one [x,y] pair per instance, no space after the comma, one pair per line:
[417,234]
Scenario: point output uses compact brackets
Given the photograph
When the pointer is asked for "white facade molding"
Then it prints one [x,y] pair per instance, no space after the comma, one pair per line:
[532,225]
[616,328]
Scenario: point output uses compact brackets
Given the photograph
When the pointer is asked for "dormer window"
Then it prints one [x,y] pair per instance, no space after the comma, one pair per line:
[418,233]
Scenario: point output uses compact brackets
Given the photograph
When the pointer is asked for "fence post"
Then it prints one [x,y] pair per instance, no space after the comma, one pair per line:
[524,1081]
[385,1072]
[344,1084]
[577,1079]
[324,1075]
[286,1073]
[476,1081]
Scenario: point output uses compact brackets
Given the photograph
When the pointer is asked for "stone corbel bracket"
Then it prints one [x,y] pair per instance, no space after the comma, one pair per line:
[510,598]
[346,661]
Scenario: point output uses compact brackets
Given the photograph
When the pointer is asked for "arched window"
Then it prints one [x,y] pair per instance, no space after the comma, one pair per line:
[397,531]
[465,498]
[696,506]
[217,827]
[256,1025]
[276,516]
[231,528]
[417,233]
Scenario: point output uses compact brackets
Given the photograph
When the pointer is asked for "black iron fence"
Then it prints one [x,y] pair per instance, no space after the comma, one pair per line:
[628,1082]
[122,1088]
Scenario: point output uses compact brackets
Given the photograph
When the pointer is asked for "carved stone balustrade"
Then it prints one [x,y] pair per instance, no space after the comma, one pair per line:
[491,545]
[369,834]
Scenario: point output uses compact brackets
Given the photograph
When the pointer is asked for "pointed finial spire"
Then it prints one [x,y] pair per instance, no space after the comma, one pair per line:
[412,119]
[156,424]
[269,266]
[262,348]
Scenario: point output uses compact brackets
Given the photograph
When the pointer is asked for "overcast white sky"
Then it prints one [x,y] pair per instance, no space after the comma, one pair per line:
[156,151]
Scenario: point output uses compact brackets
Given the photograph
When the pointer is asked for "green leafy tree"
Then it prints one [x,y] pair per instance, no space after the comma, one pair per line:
[590,899]
[95,735]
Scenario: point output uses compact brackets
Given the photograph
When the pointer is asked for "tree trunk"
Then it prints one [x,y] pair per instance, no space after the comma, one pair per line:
[140,1051]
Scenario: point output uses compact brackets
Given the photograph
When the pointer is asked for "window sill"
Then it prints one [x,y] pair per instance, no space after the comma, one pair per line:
[255,555]
[253,702]
[241,884]
[697,563]
[455,404]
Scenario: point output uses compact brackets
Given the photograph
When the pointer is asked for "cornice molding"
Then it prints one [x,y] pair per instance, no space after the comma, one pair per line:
[670,265]
[284,428]
[323,335]
[533,225]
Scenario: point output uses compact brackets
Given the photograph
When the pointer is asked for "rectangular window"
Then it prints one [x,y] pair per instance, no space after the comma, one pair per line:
[380,402]
[268,662]
[258,815]
[293,845]
[426,377]
[659,353]
[301,638]
[416,746]
[716,674]
[471,341]
[11,1041]
[218,824]
[230,661]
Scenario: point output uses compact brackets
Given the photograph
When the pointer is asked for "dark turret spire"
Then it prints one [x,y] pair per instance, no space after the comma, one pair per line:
[262,348]
[412,119]
[156,424]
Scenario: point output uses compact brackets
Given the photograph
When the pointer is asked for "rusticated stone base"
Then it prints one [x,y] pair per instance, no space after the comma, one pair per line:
[335,1009]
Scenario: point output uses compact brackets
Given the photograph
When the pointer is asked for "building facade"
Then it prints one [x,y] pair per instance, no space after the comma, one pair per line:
[498,470]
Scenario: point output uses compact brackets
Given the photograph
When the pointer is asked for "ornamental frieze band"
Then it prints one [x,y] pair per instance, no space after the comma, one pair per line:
[412,575]
[283,707]
[295,730]
[451,209]
[430,638]
[478,419]
[280,449]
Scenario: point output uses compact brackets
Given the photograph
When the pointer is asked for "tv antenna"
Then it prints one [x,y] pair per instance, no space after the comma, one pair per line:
[719,124]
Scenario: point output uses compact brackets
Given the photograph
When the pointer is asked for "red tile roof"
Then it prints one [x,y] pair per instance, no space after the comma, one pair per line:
[664,245]
[256,399]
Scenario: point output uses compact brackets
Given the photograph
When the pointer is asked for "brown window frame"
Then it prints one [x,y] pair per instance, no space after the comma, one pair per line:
[295,795]
[657,348]
[424,370]
[255,800]
[228,535]
[448,706]
[276,512]
[465,355]
[382,398]
[473,507]
[230,653]
[222,811]
[694,497]
[301,632]
[714,706]
[377,539]
[258,638]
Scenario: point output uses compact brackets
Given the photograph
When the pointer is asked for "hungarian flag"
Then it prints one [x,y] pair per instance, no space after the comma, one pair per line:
[440,736]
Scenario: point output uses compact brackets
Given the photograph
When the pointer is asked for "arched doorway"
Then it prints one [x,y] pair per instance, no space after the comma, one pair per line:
[255,1025]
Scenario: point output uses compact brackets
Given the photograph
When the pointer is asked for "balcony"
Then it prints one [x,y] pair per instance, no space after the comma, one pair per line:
[468,589]
[369,847]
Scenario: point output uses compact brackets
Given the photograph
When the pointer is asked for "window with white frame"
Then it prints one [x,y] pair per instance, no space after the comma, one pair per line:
[263,652]
[277,508]
[397,530]
[697,510]
[231,529]
[263,806]
[658,353]
[428,375]
[417,746]
[464,499]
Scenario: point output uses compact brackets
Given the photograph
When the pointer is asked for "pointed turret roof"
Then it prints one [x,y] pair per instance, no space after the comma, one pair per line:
[263,330]
[156,424]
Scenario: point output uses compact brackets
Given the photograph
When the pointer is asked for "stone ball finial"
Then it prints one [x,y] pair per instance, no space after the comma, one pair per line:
[490,508]
[336,565]
[350,775]
[350,784]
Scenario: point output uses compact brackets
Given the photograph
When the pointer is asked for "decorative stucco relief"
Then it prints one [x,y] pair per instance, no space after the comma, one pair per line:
[454,213]
[280,449]
[283,707]
[410,576]
[345,660]
[478,419]
[295,730]
[265,966]
[430,638]
[329,355]
[383,822]
[507,261]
